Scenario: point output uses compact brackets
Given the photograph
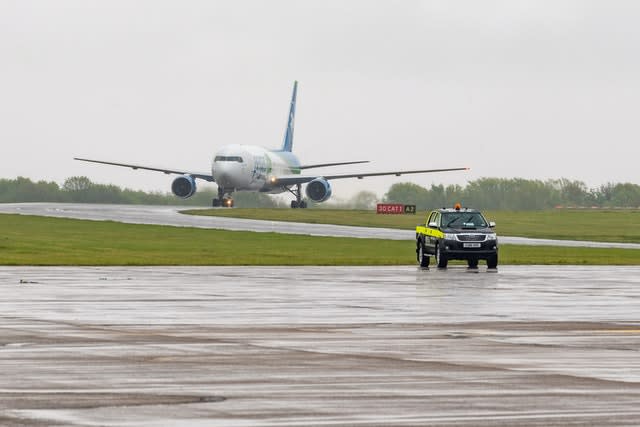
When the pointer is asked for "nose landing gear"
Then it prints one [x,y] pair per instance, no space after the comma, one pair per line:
[222,201]
[226,202]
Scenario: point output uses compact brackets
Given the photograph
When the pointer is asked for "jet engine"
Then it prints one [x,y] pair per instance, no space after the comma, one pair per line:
[184,186]
[319,190]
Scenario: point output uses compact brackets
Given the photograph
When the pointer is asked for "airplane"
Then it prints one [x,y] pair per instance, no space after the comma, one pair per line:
[254,168]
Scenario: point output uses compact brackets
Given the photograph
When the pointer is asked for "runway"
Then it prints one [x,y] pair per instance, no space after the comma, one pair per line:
[169,215]
[333,346]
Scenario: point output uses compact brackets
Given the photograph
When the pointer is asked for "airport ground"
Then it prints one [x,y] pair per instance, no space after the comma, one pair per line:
[336,346]
[266,346]
[607,231]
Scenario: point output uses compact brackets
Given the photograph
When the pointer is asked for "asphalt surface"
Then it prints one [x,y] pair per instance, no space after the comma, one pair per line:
[168,215]
[332,346]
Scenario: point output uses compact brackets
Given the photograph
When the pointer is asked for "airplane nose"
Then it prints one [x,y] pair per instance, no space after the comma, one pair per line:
[223,174]
[225,180]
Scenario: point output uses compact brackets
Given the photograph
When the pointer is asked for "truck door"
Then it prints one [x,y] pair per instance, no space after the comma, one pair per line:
[431,240]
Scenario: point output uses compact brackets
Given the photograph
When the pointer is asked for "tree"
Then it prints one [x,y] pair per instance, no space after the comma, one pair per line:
[484,193]
[626,195]
[408,194]
[77,183]
[364,200]
[573,193]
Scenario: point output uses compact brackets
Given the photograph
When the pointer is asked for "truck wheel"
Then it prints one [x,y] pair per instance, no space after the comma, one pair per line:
[472,262]
[492,261]
[423,258]
[441,259]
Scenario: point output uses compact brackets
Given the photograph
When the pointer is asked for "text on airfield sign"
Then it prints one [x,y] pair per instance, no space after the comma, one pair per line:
[395,208]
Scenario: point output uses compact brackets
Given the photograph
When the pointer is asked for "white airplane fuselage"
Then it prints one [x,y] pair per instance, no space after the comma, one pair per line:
[254,168]
[251,168]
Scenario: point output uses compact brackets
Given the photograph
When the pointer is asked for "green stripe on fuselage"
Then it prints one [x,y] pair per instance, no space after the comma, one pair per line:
[290,159]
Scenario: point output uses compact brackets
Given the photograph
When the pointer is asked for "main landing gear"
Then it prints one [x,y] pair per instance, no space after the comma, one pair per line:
[222,201]
[226,202]
[298,202]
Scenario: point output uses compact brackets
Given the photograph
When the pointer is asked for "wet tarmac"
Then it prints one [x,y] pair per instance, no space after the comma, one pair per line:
[333,346]
[169,215]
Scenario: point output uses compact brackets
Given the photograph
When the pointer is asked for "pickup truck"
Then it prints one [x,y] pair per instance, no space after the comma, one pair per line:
[457,233]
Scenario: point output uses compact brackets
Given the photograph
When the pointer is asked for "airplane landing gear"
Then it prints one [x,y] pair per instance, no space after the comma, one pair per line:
[226,202]
[298,202]
[222,201]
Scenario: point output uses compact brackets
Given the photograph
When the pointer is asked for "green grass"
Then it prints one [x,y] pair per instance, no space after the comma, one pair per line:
[597,225]
[563,255]
[601,225]
[33,240]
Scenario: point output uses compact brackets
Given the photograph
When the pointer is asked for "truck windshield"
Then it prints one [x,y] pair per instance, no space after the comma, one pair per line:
[463,219]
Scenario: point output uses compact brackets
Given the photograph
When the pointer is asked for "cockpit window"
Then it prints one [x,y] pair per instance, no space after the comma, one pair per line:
[228,159]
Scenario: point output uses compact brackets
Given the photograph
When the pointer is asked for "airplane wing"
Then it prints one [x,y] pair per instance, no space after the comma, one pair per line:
[203,176]
[322,165]
[302,179]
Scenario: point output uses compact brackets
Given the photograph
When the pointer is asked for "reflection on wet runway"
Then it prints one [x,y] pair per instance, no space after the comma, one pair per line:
[319,346]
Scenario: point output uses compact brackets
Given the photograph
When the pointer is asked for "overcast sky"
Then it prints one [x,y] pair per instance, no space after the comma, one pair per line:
[529,89]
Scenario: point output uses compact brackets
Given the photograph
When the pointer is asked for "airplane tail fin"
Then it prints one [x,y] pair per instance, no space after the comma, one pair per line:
[287,144]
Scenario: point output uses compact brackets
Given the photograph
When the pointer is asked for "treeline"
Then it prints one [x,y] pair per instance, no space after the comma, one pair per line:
[80,189]
[484,193]
[517,194]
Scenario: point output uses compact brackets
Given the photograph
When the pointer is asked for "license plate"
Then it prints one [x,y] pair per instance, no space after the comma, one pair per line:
[471,245]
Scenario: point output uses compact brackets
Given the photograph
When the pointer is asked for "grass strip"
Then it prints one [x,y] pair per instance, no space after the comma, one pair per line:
[598,225]
[35,240]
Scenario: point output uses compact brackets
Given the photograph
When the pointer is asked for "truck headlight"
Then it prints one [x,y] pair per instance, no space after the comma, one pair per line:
[449,236]
[491,236]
